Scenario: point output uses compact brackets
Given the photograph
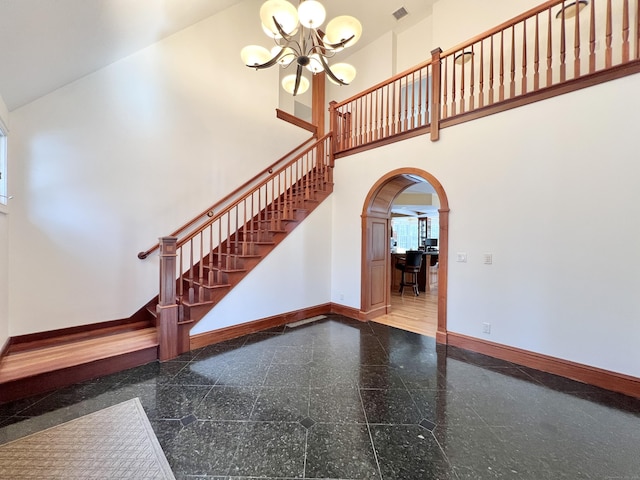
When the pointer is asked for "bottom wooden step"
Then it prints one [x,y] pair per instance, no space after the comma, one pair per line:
[37,371]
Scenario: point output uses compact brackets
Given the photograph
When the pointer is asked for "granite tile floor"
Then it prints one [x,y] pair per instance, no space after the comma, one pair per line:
[340,399]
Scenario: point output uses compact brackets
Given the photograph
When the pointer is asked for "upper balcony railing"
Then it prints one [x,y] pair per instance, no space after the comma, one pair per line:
[554,48]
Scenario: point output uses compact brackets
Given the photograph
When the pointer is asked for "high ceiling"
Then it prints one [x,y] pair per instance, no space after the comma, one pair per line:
[45,44]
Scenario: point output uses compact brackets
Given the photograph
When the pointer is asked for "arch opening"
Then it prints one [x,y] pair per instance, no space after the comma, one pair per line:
[376,262]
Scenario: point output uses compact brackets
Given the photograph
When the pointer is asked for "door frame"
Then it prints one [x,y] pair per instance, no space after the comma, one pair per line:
[378,205]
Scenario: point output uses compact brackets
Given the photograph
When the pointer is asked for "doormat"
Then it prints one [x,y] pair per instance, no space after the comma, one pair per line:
[114,443]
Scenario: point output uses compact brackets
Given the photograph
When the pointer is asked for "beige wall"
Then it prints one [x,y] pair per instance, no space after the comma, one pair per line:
[105,165]
[522,190]
[4,248]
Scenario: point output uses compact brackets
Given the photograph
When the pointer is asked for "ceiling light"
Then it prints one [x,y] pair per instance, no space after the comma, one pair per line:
[462,58]
[570,9]
[296,35]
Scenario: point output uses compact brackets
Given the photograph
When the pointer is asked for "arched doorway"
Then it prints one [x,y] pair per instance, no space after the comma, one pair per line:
[376,214]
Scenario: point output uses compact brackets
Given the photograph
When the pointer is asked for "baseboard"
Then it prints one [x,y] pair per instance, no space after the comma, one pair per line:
[87,328]
[350,312]
[216,336]
[375,313]
[606,379]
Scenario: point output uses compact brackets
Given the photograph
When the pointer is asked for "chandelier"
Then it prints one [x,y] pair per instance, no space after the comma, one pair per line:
[297,37]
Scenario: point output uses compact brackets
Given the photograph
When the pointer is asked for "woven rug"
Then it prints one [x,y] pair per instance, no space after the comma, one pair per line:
[115,443]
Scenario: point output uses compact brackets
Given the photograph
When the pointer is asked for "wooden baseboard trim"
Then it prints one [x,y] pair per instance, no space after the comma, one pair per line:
[598,377]
[216,336]
[375,313]
[350,312]
[80,329]
[441,337]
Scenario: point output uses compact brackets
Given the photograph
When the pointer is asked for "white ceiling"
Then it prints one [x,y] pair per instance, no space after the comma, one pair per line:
[417,210]
[45,44]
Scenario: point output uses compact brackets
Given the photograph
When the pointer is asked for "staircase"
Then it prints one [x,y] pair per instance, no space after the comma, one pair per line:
[207,262]
[212,259]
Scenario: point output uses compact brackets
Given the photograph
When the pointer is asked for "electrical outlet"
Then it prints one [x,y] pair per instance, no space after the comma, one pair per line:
[486,328]
[342,297]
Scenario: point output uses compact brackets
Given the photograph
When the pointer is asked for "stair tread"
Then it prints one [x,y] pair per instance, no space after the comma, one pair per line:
[56,357]
[214,285]
[197,304]
[74,337]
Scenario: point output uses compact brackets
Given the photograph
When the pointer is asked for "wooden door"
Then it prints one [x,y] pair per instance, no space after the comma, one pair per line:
[376,288]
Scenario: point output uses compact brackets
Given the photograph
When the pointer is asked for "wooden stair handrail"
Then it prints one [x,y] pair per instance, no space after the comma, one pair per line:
[209,211]
[442,91]
[247,194]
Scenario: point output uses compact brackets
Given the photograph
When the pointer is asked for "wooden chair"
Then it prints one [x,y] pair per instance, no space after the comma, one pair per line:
[410,267]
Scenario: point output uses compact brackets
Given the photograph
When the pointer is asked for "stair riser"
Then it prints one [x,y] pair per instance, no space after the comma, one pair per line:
[50,381]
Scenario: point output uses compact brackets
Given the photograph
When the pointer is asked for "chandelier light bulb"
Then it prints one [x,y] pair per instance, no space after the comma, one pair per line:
[314,65]
[311,14]
[287,57]
[344,72]
[341,28]
[289,83]
[285,14]
[254,55]
[297,39]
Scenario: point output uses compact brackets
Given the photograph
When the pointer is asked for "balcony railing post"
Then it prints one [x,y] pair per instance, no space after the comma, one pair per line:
[435,94]
[167,309]
[333,126]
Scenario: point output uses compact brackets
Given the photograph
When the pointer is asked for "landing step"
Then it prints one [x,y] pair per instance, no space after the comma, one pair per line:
[30,363]
[39,341]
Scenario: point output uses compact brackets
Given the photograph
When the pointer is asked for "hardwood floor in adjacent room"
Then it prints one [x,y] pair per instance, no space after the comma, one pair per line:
[415,314]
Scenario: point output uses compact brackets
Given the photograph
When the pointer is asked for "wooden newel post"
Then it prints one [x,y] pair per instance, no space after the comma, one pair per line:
[167,309]
[333,126]
[435,93]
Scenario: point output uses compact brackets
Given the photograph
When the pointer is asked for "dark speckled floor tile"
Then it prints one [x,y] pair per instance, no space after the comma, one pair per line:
[227,403]
[243,374]
[279,404]
[295,355]
[327,375]
[15,407]
[175,401]
[271,450]
[443,407]
[392,406]
[200,372]
[202,448]
[339,451]
[295,401]
[379,376]
[409,452]
[298,376]
[155,373]
[336,405]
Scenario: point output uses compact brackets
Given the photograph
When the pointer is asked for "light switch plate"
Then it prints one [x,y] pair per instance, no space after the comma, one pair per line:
[462,257]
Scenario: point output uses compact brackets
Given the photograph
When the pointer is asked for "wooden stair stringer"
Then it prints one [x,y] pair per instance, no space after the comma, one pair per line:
[195,312]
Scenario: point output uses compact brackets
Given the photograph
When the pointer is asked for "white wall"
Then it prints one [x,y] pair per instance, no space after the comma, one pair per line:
[104,166]
[531,186]
[4,248]
[451,26]
[374,64]
[296,275]
[414,45]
